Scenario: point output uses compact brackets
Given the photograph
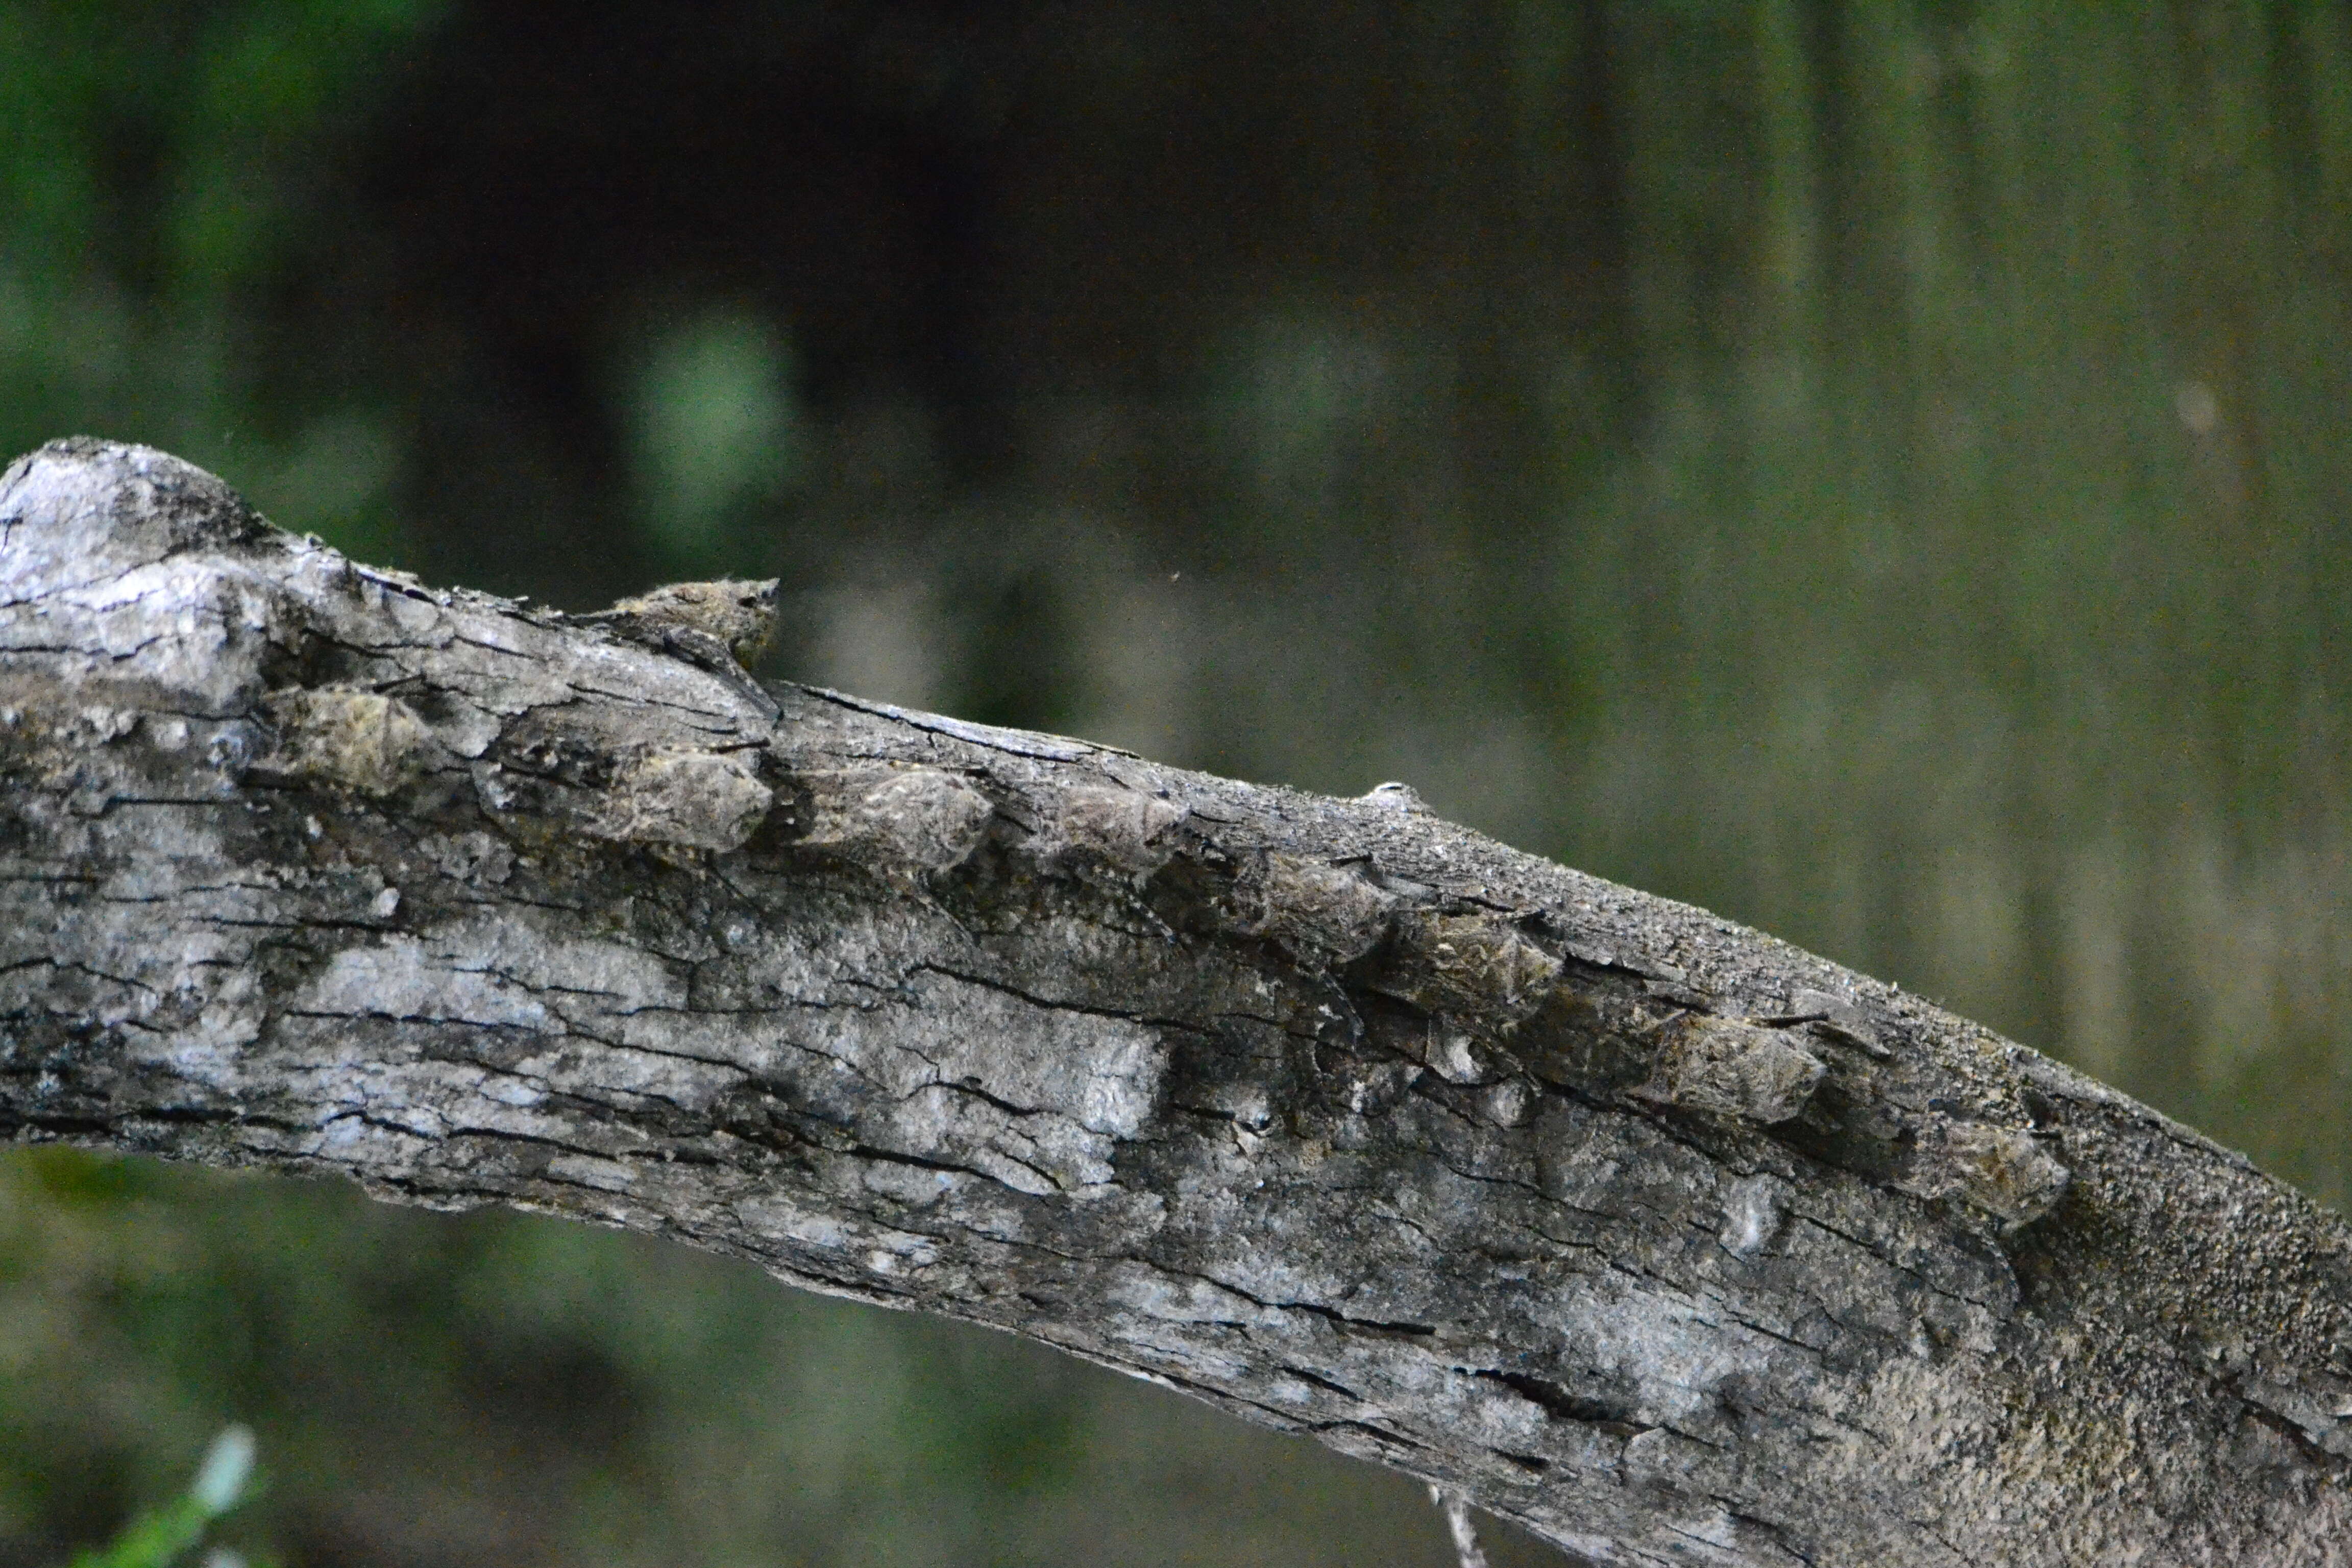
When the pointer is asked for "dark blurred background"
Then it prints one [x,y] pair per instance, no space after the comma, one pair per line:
[1875,467]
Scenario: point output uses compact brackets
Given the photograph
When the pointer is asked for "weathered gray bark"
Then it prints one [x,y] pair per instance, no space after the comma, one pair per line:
[1671,1242]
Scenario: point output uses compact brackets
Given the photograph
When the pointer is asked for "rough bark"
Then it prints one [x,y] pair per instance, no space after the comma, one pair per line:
[1670,1241]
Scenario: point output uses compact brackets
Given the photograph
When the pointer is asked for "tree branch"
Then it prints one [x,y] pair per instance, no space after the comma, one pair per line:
[1667,1240]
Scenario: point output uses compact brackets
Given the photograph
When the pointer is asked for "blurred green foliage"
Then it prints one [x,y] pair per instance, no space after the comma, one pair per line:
[1878,469]
[714,437]
[159,172]
[162,1536]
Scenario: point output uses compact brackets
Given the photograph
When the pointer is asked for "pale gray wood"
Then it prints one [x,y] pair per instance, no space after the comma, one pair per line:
[1670,1241]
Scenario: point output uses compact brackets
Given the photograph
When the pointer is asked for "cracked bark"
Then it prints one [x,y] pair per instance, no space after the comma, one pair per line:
[1671,1242]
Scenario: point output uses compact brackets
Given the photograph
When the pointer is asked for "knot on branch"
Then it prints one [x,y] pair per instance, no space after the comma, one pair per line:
[80,506]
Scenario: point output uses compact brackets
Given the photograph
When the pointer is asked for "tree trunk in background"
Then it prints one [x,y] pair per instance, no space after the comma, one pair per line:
[1673,1242]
